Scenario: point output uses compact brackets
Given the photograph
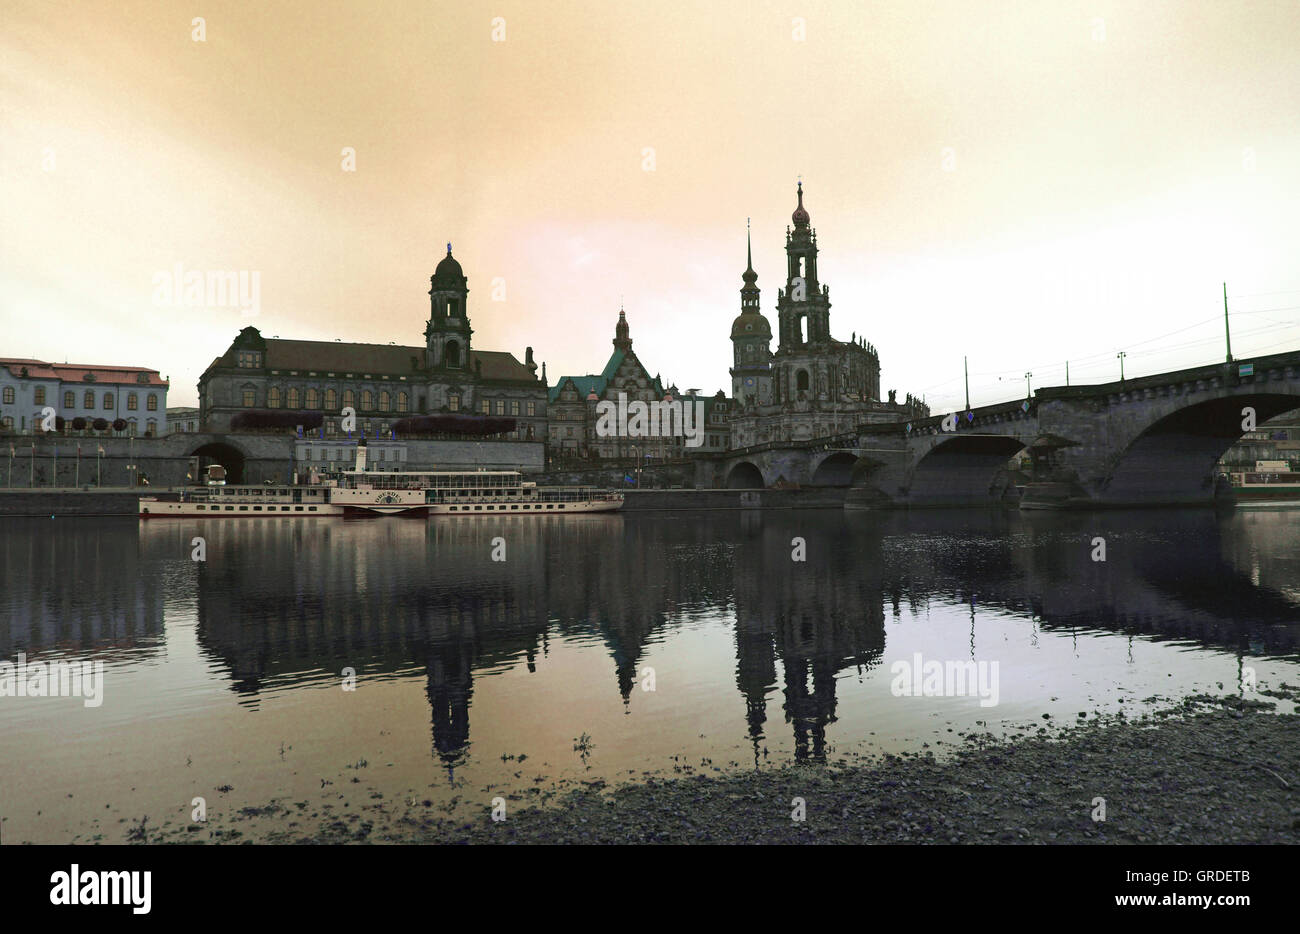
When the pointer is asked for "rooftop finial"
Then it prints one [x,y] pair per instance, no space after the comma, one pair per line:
[448,249]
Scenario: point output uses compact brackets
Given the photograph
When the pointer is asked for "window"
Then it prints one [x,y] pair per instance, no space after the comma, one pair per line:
[249,398]
[349,399]
[90,399]
[132,403]
[9,395]
[514,407]
[453,403]
[292,397]
[69,400]
[108,401]
[250,359]
[485,407]
[403,402]
[151,428]
[331,400]
[9,423]
[501,406]
[313,398]
[273,397]
[131,427]
[152,402]
[367,400]
[532,408]
[384,401]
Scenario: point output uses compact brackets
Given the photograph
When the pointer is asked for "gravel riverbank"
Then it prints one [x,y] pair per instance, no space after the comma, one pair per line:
[1212,770]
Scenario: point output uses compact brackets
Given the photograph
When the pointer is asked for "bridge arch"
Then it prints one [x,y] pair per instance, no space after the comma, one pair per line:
[745,476]
[229,456]
[961,469]
[1173,458]
[841,468]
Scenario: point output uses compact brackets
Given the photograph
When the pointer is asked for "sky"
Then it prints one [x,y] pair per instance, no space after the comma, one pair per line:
[1022,184]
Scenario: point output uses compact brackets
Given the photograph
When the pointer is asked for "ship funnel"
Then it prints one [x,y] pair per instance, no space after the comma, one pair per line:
[361,454]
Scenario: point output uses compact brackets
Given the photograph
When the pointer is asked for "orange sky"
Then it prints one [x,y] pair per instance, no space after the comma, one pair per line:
[1025,183]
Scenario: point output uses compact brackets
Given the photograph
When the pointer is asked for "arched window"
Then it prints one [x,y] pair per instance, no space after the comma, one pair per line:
[384,401]
[69,400]
[273,397]
[403,402]
[90,399]
[367,400]
[132,402]
[331,400]
[131,427]
[801,380]
[453,353]
[152,403]
[349,399]
[313,398]
[108,400]
[293,397]
[151,428]
[9,395]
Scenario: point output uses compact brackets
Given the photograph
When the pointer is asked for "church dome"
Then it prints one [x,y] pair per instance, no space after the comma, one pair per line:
[751,325]
[449,270]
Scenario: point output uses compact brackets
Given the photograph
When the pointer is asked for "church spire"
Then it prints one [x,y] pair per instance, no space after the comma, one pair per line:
[749,275]
[622,338]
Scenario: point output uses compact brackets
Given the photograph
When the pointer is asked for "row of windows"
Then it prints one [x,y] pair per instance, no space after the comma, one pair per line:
[259,508]
[70,399]
[313,399]
[504,507]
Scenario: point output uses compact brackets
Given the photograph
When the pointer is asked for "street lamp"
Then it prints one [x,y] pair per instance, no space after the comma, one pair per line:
[1029,393]
[1121,355]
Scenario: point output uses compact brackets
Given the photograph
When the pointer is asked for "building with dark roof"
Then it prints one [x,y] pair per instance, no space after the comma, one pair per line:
[380,382]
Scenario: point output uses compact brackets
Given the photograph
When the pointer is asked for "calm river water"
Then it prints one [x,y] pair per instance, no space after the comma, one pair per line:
[666,644]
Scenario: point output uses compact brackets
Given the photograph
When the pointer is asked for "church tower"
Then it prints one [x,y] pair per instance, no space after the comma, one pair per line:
[447,335]
[751,337]
[622,338]
[804,306]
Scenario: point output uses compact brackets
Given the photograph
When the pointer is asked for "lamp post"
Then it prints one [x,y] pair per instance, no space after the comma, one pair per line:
[1121,355]
[1029,393]
[637,457]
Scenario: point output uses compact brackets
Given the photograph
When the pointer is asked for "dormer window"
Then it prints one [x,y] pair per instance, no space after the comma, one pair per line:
[250,359]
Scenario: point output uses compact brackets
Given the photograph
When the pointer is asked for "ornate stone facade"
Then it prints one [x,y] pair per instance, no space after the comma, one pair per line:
[813,385]
[382,382]
[573,401]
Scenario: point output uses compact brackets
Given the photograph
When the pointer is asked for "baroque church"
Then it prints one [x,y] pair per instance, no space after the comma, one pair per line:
[813,385]
[381,382]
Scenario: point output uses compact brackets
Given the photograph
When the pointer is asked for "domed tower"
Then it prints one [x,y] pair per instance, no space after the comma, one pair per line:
[447,335]
[751,337]
[804,307]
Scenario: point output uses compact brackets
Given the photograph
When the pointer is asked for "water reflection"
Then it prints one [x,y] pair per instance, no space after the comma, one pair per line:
[283,605]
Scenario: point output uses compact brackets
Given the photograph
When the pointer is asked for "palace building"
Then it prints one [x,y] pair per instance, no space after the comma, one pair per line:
[573,401]
[381,382]
[135,396]
[812,385]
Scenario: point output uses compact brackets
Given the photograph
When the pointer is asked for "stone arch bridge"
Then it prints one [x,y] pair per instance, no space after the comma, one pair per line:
[1148,441]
